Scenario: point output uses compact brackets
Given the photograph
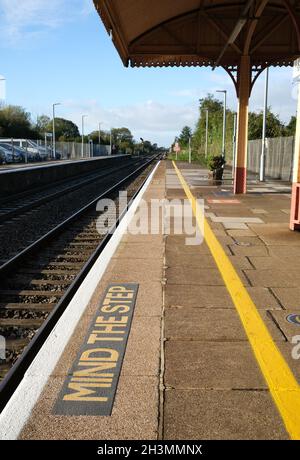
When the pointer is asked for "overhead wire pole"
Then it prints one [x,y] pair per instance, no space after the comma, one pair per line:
[263,143]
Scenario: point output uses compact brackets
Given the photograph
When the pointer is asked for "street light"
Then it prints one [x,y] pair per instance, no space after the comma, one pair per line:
[234,143]
[100,136]
[82,133]
[206,134]
[3,79]
[224,120]
[263,146]
[53,134]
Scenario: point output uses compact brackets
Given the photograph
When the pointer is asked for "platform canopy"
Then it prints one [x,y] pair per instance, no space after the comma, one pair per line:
[243,37]
[203,32]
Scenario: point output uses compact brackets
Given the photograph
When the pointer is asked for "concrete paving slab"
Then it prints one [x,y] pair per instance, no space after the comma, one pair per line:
[196,276]
[143,348]
[259,211]
[288,297]
[203,324]
[139,270]
[269,263]
[139,251]
[283,251]
[244,220]
[263,298]
[240,262]
[177,244]
[248,251]
[206,365]
[191,260]
[197,296]
[215,414]
[239,232]
[273,278]
[283,318]
[235,225]
[248,240]
[134,416]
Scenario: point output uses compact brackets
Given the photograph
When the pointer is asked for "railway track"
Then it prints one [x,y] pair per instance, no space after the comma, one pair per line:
[38,282]
[30,224]
[21,203]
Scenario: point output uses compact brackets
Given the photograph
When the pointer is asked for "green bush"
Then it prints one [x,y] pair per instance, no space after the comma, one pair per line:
[215,162]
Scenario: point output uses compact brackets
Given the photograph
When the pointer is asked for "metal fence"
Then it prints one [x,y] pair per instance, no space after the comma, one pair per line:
[64,150]
[279,157]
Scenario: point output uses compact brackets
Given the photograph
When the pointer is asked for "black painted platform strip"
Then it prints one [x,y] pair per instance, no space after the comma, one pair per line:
[91,384]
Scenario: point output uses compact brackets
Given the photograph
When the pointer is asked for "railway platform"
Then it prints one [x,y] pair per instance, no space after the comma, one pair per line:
[174,340]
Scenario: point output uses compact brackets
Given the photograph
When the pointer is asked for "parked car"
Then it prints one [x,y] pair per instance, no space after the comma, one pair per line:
[6,156]
[17,153]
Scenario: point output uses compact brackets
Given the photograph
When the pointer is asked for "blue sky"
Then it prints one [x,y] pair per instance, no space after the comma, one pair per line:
[59,51]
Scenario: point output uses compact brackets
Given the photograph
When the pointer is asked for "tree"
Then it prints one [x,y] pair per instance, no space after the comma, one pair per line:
[65,130]
[185,136]
[122,139]
[215,127]
[42,124]
[16,122]
[290,128]
[274,127]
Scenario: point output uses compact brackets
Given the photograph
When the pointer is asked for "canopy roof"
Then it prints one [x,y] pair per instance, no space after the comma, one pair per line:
[203,32]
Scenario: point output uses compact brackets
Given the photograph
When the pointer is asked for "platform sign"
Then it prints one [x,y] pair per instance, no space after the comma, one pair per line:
[91,383]
[177,147]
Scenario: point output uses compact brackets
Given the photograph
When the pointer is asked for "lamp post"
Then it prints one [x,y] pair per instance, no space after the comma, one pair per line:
[53,133]
[263,146]
[224,120]
[206,134]
[3,79]
[82,134]
[234,143]
[100,138]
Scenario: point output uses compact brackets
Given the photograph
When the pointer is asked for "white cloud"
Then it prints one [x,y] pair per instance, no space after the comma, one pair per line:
[282,93]
[25,19]
[155,121]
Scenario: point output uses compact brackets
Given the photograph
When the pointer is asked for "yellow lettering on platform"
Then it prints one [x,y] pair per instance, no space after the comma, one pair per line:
[115,308]
[95,370]
[109,355]
[83,392]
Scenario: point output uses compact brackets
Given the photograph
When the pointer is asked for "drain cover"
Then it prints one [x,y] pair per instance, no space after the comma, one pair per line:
[294,319]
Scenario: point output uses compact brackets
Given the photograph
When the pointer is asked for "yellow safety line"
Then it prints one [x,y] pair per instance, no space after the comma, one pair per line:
[282,384]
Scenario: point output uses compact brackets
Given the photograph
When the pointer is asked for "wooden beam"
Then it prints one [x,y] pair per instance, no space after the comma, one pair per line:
[252,26]
[265,34]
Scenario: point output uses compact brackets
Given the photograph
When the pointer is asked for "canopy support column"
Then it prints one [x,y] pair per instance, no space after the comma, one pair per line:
[243,87]
[295,205]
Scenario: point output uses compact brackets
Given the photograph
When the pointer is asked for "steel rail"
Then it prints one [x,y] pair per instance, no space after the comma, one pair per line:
[16,373]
